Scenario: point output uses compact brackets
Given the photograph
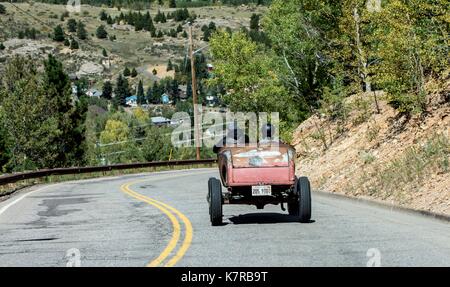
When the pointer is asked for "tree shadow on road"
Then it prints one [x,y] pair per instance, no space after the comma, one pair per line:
[264,218]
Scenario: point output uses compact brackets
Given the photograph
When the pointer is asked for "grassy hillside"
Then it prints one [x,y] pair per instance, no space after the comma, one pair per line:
[382,156]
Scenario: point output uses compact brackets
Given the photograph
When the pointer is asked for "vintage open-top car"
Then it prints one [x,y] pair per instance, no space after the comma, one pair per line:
[259,175]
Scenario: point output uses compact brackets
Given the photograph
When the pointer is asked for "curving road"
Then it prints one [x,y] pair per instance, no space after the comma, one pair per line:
[161,219]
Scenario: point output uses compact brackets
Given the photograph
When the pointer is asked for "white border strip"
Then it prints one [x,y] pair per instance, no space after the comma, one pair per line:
[4,208]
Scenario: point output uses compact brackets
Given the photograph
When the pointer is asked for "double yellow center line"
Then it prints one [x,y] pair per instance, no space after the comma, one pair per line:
[174,215]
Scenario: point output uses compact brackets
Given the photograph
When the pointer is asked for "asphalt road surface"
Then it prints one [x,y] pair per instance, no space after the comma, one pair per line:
[161,219]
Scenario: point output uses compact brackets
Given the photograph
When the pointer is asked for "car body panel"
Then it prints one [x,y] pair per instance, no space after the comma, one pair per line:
[256,165]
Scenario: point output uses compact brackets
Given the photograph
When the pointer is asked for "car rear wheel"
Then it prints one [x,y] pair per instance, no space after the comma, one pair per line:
[215,201]
[301,205]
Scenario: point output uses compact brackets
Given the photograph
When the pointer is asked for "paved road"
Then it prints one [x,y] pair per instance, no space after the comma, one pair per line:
[162,219]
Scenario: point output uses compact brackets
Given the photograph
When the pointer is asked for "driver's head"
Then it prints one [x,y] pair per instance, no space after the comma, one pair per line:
[267,131]
[232,130]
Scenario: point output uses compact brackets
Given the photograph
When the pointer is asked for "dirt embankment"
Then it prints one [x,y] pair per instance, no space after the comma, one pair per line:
[382,156]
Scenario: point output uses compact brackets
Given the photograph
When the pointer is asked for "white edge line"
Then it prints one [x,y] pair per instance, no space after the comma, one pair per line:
[4,208]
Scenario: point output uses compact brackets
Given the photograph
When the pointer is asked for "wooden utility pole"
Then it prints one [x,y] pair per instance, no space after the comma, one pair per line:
[194,93]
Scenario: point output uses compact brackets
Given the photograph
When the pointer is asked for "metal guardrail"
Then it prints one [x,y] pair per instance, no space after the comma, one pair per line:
[15,177]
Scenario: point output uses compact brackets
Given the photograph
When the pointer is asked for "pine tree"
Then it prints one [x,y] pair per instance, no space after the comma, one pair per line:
[74,44]
[133,73]
[179,28]
[172,4]
[109,20]
[2,9]
[140,94]
[122,91]
[103,15]
[107,90]
[72,25]
[58,34]
[126,72]
[70,118]
[254,22]
[169,66]
[149,95]
[81,31]
[101,32]
[104,53]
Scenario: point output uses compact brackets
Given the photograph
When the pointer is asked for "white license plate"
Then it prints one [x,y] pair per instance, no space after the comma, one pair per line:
[261,190]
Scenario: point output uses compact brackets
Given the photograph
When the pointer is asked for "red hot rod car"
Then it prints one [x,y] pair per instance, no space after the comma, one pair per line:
[259,175]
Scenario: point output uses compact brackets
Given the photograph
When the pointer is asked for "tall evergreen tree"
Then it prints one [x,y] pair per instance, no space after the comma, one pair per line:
[81,31]
[107,90]
[133,73]
[126,72]
[122,91]
[74,44]
[58,34]
[169,66]
[72,25]
[70,118]
[140,94]
[101,32]
[254,22]
[2,9]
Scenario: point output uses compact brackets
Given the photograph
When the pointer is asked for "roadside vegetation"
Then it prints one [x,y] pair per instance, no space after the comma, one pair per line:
[407,173]
[301,58]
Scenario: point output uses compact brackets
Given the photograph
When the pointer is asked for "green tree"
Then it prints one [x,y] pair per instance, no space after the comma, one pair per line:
[412,37]
[103,16]
[133,73]
[140,94]
[248,75]
[107,90]
[70,116]
[122,91]
[58,34]
[101,32]
[126,72]
[179,28]
[38,110]
[172,4]
[116,132]
[72,25]
[74,44]
[81,31]
[2,9]
[28,124]
[104,53]
[254,22]
[169,65]
[299,31]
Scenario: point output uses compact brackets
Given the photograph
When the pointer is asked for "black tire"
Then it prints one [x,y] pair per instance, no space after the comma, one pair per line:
[215,201]
[301,205]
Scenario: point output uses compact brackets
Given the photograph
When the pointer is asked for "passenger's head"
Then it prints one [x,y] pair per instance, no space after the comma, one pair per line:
[233,130]
[267,131]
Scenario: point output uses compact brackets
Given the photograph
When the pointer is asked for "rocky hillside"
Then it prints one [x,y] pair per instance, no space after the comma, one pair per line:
[382,156]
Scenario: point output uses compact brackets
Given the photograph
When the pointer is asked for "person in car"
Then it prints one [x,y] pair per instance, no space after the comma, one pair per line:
[233,137]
